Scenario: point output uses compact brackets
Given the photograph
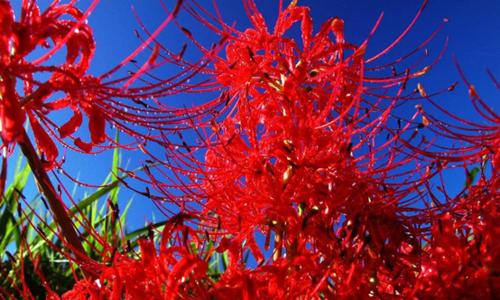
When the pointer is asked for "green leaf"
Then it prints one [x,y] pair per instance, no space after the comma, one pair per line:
[138,232]
[8,223]
[471,176]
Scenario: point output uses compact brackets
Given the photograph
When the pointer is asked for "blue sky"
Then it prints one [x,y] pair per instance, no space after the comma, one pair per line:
[473,30]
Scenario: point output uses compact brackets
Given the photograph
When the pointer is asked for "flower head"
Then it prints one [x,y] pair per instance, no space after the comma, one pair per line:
[61,81]
[309,159]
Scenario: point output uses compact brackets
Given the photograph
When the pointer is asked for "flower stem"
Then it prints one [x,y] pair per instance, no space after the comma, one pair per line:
[61,217]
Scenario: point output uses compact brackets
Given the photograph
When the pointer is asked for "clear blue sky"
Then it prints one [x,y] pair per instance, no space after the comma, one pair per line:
[473,29]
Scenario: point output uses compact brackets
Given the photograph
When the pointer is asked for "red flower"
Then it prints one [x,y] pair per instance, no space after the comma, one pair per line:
[461,257]
[296,152]
[310,162]
[310,153]
[178,269]
[21,38]
[69,87]
[32,89]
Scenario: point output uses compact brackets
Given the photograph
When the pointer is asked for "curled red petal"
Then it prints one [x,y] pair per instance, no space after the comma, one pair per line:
[43,140]
[11,115]
[86,147]
[72,125]
[97,126]
[6,20]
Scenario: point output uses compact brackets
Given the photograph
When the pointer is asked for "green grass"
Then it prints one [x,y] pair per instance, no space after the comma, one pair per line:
[24,237]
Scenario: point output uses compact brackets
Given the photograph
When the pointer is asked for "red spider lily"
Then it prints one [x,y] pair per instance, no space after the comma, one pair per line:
[300,157]
[69,86]
[21,38]
[462,258]
[176,271]
[301,140]
[446,268]
[173,271]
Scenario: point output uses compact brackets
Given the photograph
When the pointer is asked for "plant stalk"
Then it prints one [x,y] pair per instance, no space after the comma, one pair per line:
[61,216]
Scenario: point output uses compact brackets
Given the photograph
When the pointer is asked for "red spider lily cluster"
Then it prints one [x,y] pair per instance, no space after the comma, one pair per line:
[308,171]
